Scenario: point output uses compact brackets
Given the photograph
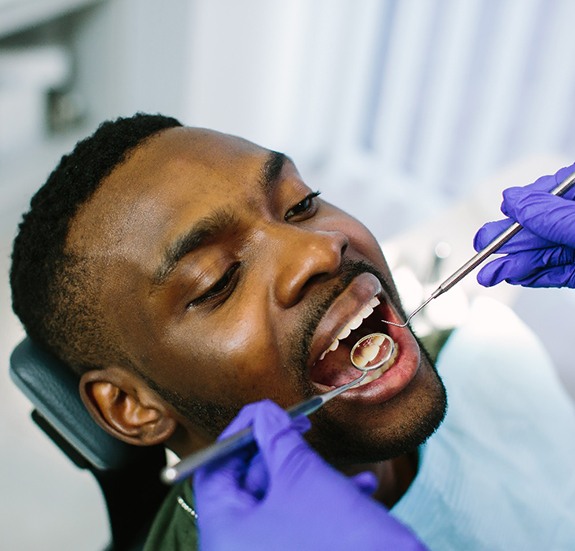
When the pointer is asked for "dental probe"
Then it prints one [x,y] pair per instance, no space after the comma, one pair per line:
[187,466]
[183,469]
[474,261]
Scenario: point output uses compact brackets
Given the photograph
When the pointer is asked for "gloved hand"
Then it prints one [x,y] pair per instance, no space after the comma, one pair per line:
[285,496]
[543,253]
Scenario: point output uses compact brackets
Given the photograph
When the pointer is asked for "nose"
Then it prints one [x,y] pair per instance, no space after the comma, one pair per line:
[305,258]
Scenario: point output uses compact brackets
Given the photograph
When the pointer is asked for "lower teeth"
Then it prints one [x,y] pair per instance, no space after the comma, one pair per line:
[376,373]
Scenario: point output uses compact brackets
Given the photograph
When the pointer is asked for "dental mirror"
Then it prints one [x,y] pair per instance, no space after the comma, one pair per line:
[372,351]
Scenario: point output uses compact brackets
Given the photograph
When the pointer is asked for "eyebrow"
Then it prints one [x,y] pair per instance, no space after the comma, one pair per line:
[218,222]
[205,230]
[271,170]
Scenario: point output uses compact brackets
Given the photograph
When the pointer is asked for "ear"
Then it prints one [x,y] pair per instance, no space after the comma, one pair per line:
[123,405]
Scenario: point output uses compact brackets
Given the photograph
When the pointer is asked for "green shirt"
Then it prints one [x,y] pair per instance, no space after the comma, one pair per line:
[175,526]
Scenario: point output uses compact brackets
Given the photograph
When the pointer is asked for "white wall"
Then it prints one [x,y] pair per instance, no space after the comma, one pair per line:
[410,103]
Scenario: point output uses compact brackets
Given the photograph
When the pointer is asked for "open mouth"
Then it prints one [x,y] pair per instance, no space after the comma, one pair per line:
[334,366]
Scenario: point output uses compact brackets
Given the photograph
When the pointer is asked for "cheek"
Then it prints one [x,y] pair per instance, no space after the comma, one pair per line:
[234,360]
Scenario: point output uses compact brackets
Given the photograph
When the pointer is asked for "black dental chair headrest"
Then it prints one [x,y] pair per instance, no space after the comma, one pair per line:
[128,475]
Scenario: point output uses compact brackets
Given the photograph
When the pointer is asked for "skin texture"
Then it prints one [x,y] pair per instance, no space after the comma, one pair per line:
[212,320]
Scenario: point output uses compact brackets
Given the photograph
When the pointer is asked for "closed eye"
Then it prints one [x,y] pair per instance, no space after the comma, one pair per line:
[220,290]
[304,209]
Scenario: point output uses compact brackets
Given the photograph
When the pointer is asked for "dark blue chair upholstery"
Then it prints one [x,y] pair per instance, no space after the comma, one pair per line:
[127,475]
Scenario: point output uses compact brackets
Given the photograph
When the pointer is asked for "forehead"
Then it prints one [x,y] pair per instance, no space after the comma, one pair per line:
[180,170]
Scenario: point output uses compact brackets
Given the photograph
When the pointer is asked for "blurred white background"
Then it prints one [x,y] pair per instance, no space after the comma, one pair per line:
[411,114]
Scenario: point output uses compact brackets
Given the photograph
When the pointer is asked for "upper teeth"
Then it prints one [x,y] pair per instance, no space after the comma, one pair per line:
[354,323]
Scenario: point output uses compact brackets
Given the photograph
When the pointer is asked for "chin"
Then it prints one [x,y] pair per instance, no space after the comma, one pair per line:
[402,425]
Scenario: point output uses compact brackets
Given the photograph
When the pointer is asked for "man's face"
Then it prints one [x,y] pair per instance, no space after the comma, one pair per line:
[227,279]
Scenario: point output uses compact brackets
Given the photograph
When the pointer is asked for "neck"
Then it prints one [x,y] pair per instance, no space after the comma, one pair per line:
[394,476]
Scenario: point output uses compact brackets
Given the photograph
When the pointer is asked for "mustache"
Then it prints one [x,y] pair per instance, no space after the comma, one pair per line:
[348,271]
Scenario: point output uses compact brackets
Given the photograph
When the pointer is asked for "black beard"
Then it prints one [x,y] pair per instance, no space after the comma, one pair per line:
[214,417]
[343,448]
[336,445]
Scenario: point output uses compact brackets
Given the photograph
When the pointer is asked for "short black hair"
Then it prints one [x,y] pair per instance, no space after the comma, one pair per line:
[53,293]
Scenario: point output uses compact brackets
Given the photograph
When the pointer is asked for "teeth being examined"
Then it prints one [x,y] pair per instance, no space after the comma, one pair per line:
[368,353]
[376,373]
[354,323]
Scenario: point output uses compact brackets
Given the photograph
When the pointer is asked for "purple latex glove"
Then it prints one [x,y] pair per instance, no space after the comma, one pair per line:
[543,253]
[285,496]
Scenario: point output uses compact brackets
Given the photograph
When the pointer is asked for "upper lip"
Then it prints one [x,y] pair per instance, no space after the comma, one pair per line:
[348,304]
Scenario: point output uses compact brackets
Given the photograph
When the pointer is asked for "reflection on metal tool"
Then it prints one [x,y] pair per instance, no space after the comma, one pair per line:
[372,351]
[476,260]
[359,355]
